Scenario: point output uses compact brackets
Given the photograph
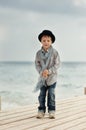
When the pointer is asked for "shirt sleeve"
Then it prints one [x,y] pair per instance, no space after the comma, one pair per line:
[56,65]
[38,64]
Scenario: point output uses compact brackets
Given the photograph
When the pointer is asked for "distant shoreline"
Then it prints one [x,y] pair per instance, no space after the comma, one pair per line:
[68,62]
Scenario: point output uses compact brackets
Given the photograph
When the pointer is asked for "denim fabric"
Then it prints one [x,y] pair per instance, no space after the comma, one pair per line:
[50,98]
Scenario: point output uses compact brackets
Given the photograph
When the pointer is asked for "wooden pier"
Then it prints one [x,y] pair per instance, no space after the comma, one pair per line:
[70,115]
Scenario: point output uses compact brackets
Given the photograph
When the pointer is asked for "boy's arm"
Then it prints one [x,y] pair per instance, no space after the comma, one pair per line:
[56,65]
[38,64]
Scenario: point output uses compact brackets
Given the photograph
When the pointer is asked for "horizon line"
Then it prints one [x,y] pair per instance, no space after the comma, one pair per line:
[34,61]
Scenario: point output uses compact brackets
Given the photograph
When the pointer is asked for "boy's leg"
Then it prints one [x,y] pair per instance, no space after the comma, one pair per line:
[42,99]
[51,100]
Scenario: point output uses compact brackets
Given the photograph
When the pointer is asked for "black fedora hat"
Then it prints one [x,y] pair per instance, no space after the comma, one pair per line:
[46,33]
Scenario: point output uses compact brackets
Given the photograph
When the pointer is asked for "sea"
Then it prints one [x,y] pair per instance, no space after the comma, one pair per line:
[18,80]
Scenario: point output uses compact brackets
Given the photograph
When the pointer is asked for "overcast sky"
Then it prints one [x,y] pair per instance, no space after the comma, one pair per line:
[21,21]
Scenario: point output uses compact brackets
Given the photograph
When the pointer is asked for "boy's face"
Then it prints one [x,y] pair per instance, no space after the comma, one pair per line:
[46,42]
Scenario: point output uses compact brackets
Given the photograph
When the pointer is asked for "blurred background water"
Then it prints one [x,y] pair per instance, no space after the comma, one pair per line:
[18,79]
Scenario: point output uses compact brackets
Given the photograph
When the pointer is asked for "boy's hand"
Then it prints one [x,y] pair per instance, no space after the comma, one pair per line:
[45,73]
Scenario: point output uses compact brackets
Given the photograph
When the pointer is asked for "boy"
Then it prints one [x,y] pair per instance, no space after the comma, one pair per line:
[47,62]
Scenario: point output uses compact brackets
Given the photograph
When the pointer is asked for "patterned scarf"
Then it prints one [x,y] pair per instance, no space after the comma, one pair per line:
[45,59]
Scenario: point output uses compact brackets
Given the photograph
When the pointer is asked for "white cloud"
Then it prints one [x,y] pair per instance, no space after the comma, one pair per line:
[3,33]
[50,6]
[83,37]
[80,3]
[20,29]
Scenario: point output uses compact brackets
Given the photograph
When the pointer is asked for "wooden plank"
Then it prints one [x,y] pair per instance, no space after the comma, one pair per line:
[70,112]
[30,114]
[81,126]
[51,126]
[61,116]
[66,105]
[20,109]
[70,125]
[13,115]
[29,120]
[59,102]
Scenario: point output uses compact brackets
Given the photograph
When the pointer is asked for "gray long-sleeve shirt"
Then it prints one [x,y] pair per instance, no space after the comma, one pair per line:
[52,66]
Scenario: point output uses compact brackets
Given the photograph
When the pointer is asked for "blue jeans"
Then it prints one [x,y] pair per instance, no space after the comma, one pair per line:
[50,98]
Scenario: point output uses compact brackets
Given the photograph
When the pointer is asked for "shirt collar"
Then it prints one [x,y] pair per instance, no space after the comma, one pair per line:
[47,49]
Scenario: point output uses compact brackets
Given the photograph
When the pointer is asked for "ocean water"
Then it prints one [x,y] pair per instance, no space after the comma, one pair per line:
[18,79]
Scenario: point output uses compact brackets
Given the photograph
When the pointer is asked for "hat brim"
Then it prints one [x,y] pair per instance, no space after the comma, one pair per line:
[47,33]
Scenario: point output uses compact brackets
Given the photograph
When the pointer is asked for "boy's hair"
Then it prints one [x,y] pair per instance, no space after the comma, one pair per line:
[46,33]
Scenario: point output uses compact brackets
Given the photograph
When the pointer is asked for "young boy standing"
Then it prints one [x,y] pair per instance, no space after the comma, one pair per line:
[47,62]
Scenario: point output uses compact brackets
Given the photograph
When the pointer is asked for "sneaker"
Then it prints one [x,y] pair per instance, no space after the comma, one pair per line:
[40,115]
[52,115]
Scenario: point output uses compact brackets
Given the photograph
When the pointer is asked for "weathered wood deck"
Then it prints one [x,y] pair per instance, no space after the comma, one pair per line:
[70,115]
